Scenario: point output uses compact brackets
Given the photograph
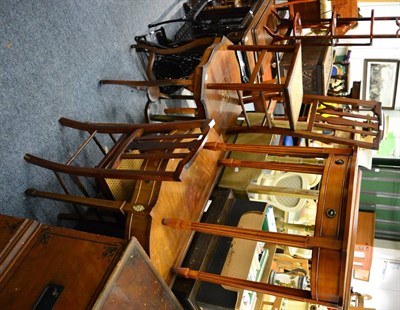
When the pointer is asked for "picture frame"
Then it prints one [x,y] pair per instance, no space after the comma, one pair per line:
[380,81]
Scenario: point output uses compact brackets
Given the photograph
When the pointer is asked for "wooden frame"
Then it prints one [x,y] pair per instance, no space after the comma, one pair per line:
[380,81]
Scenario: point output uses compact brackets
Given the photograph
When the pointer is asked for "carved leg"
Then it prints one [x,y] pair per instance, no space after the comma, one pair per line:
[298,241]
[102,204]
[264,288]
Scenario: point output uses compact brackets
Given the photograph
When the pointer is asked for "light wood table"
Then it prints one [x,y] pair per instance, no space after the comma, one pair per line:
[185,199]
[188,198]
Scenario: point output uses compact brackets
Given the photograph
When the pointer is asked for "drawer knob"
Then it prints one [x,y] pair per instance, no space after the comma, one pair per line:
[331,213]
[339,162]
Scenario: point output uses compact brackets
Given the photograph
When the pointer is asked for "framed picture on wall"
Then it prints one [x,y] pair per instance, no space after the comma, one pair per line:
[380,81]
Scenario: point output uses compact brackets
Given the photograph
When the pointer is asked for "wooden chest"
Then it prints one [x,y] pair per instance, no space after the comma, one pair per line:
[44,267]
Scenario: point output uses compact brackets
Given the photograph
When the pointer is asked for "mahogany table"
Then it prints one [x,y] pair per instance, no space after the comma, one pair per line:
[335,227]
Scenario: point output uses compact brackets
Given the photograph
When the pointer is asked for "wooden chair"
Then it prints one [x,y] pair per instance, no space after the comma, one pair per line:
[331,119]
[216,65]
[335,225]
[327,29]
[291,89]
[168,69]
[286,191]
[128,167]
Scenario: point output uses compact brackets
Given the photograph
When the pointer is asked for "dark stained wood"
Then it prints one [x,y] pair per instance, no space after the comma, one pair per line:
[135,284]
[79,262]
[11,230]
[89,270]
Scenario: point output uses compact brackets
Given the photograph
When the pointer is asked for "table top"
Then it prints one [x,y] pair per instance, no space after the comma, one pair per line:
[186,200]
[221,66]
[135,284]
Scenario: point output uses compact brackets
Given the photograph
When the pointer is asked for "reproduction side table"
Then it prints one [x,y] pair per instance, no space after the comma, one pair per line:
[333,240]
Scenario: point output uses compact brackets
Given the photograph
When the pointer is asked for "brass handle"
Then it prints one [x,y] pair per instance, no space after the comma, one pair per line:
[331,213]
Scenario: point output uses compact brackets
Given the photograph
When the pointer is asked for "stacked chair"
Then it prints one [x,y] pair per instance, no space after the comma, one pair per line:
[127,163]
[330,30]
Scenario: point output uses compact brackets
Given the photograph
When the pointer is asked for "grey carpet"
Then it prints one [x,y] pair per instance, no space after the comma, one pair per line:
[52,55]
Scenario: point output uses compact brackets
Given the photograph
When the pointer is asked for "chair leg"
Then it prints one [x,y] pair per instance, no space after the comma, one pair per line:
[264,288]
[138,225]
[101,204]
[298,241]
[138,84]
[147,115]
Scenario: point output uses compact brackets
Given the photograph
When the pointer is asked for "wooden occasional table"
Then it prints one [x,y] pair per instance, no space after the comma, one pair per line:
[217,65]
[220,67]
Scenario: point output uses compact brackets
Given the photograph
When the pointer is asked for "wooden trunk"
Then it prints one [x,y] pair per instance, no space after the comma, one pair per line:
[44,267]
